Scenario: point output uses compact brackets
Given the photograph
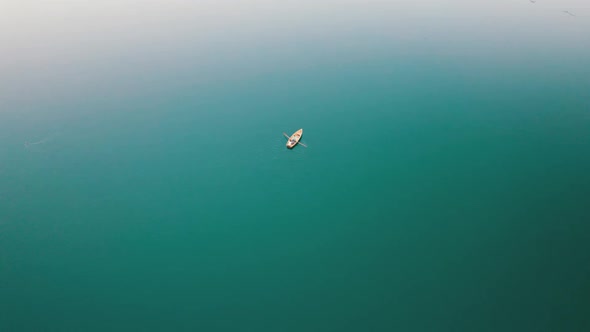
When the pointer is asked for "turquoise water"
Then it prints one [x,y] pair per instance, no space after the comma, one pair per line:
[443,189]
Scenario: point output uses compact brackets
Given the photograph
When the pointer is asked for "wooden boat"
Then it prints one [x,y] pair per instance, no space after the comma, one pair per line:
[294,139]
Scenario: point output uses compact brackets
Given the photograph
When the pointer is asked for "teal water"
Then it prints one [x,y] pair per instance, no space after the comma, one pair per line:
[441,190]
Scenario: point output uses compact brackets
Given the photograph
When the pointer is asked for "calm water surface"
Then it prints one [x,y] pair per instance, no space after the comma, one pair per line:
[444,188]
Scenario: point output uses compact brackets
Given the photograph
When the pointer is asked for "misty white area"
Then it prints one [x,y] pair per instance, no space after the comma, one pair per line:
[69,43]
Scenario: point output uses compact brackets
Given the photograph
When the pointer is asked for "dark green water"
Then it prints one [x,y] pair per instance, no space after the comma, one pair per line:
[442,190]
